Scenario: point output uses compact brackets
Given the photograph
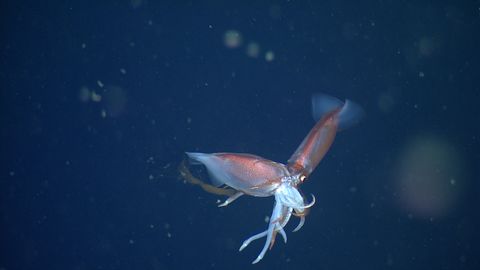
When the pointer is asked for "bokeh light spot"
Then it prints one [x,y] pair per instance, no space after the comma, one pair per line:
[232,39]
[431,177]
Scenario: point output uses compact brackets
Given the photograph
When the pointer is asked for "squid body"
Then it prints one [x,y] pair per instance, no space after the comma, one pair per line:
[260,177]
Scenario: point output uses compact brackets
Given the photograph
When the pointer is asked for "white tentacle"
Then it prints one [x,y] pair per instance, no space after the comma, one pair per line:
[287,199]
[300,224]
[272,225]
[230,199]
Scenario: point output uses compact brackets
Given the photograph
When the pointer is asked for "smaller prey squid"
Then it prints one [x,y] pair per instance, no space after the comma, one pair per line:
[260,177]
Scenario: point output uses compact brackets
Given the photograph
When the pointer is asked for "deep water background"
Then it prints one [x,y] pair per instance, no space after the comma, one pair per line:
[100,100]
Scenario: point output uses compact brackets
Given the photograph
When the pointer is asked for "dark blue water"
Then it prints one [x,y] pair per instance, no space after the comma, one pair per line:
[99,102]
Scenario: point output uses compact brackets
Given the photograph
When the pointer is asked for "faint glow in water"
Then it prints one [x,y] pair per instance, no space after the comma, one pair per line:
[389,260]
[253,49]
[269,56]
[431,177]
[166,226]
[86,95]
[426,46]
[419,51]
[136,3]
[232,39]
[386,102]
[275,12]
[388,99]
[115,100]
[96,97]
[349,31]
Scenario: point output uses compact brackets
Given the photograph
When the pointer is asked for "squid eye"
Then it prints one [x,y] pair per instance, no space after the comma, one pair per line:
[302,177]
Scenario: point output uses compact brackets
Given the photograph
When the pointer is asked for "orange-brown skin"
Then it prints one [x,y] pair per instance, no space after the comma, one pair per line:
[252,174]
[315,145]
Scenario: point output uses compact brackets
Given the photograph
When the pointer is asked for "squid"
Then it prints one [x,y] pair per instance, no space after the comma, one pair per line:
[256,176]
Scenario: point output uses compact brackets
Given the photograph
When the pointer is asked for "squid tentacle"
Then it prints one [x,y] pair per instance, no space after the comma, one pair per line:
[300,224]
[251,239]
[274,226]
[270,231]
[230,199]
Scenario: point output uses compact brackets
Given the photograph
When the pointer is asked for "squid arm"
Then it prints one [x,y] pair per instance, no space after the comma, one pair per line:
[189,178]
